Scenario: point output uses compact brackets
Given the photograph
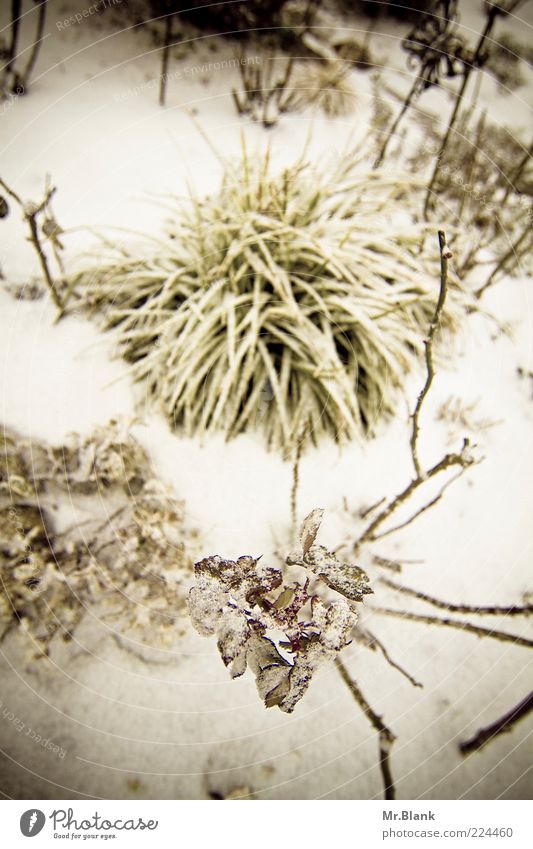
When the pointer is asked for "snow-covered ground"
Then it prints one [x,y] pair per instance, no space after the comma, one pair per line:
[173,725]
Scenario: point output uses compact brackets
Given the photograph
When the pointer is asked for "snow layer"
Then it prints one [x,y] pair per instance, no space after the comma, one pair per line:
[172,724]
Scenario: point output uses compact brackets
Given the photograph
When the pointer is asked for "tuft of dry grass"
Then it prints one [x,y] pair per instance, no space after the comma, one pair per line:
[327,86]
[307,286]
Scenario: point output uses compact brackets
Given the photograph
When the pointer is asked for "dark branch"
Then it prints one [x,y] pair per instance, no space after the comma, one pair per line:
[504,723]
[386,737]
[502,636]
[511,610]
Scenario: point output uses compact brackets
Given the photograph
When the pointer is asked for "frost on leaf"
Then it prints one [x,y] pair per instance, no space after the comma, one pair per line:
[310,528]
[244,602]
[345,578]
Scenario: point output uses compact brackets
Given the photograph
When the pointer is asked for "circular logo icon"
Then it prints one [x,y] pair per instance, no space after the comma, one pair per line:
[32,822]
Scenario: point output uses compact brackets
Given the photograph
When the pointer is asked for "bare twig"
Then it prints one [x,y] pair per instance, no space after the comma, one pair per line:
[462,459]
[490,610]
[445,254]
[422,509]
[511,253]
[165,58]
[502,636]
[492,13]
[16,8]
[392,131]
[386,737]
[39,35]
[368,639]
[31,213]
[296,480]
[516,174]
[366,511]
[504,723]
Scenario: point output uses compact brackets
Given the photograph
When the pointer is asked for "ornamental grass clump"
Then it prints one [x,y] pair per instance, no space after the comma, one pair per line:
[309,287]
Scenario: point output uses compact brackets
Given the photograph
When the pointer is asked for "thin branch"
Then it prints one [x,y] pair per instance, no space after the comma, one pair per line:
[386,737]
[445,255]
[165,58]
[516,174]
[31,213]
[370,640]
[366,511]
[491,610]
[36,46]
[296,480]
[462,459]
[501,725]
[491,17]
[504,260]
[423,509]
[392,131]
[502,636]
[15,29]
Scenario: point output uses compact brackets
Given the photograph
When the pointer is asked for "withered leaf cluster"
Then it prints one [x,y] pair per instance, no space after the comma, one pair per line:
[247,604]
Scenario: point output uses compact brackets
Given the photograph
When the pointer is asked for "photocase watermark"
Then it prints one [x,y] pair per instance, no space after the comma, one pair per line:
[187,72]
[25,729]
[65,825]
[79,17]
[32,822]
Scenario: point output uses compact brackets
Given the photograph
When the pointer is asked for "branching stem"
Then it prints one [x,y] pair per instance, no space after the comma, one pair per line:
[31,214]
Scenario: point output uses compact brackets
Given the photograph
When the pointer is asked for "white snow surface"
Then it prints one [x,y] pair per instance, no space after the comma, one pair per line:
[174,725]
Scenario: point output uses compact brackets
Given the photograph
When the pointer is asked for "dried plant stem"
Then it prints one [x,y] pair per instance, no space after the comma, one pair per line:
[462,459]
[490,610]
[386,737]
[16,8]
[422,509]
[428,345]
[504,723]
[473,162]
[372,642]
[36,45]
[165,58]
[392,131]
[31,214]
[502,636]
[296,480]
[491,17]
[517,173]
[511,253]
